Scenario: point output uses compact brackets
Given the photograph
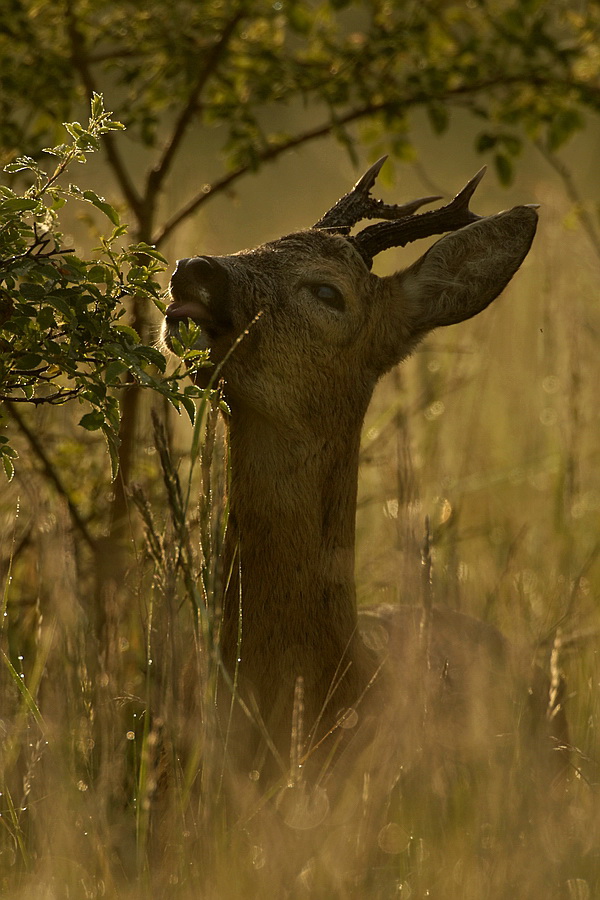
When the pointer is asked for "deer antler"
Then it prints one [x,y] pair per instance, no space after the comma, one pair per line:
[454,215]
[358,204]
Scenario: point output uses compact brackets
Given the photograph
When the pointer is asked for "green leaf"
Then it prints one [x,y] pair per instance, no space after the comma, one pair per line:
[114,370]
[118,232]
[95,392]
[149,250]
[153,356]
[98,274]
[45,318]
[32,291]
[74,129]
[512,144]
[9,469]
[504,168]
[28,361]
[59,304]
[22,163]
[562,126]
[18,204]
[112,441]
[485,142]
[113,413]
[97,106]
[137,274]
[92,421]
[129,331]
[438,117]
[101,204]
[189,406]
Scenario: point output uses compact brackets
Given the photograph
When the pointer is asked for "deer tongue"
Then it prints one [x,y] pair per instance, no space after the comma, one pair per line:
[190,309]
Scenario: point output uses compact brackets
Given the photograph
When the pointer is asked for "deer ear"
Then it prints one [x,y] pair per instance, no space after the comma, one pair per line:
[464,271]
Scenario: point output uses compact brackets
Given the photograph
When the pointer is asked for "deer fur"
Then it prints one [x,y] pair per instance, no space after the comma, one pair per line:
[322,329]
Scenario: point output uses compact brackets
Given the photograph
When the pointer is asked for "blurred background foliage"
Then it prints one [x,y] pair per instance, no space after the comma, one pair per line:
[491,429]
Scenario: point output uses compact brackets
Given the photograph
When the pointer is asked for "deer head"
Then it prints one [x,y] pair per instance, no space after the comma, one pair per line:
[323,327]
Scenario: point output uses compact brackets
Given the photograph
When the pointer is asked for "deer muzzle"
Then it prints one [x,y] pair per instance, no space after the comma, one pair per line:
[200,289]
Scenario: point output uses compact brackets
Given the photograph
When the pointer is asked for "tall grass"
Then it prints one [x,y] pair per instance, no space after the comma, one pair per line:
[114,782]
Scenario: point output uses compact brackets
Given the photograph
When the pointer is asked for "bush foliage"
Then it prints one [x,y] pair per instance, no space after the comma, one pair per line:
[64,324]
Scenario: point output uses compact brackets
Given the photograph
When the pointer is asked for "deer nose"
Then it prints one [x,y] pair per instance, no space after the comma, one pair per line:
[200,272]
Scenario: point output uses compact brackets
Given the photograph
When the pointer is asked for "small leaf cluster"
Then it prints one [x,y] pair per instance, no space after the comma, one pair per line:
[64,332]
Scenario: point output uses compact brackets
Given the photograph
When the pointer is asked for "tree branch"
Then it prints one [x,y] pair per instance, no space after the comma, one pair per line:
[158,174]
[53,399]
[80,62]
[223,183]
[539,79]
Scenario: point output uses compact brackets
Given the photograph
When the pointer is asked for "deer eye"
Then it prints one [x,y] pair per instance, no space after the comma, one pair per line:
[329,295]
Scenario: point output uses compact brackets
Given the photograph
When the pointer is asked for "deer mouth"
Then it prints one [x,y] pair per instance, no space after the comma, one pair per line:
[179,311]
[195,308]
[199,291]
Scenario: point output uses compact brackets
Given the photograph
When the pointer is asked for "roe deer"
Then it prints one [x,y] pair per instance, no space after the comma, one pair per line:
[323,330]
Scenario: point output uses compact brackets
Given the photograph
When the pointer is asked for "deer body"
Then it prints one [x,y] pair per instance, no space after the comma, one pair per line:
[322,329]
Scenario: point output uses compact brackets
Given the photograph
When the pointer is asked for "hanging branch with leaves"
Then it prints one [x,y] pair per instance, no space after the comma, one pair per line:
[64,333]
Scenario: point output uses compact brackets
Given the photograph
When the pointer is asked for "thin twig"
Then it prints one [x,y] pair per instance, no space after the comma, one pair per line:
[217,187]
[572,190]
[158,174]
[53,476]
[53,399]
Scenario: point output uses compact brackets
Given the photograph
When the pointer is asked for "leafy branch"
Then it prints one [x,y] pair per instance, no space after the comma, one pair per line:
[64,332]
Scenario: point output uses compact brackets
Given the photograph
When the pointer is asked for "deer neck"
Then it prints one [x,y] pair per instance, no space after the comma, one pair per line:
[289,560]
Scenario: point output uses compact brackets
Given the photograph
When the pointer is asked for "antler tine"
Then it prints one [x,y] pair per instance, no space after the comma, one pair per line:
[358,204]
[454,215]
[366,181]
